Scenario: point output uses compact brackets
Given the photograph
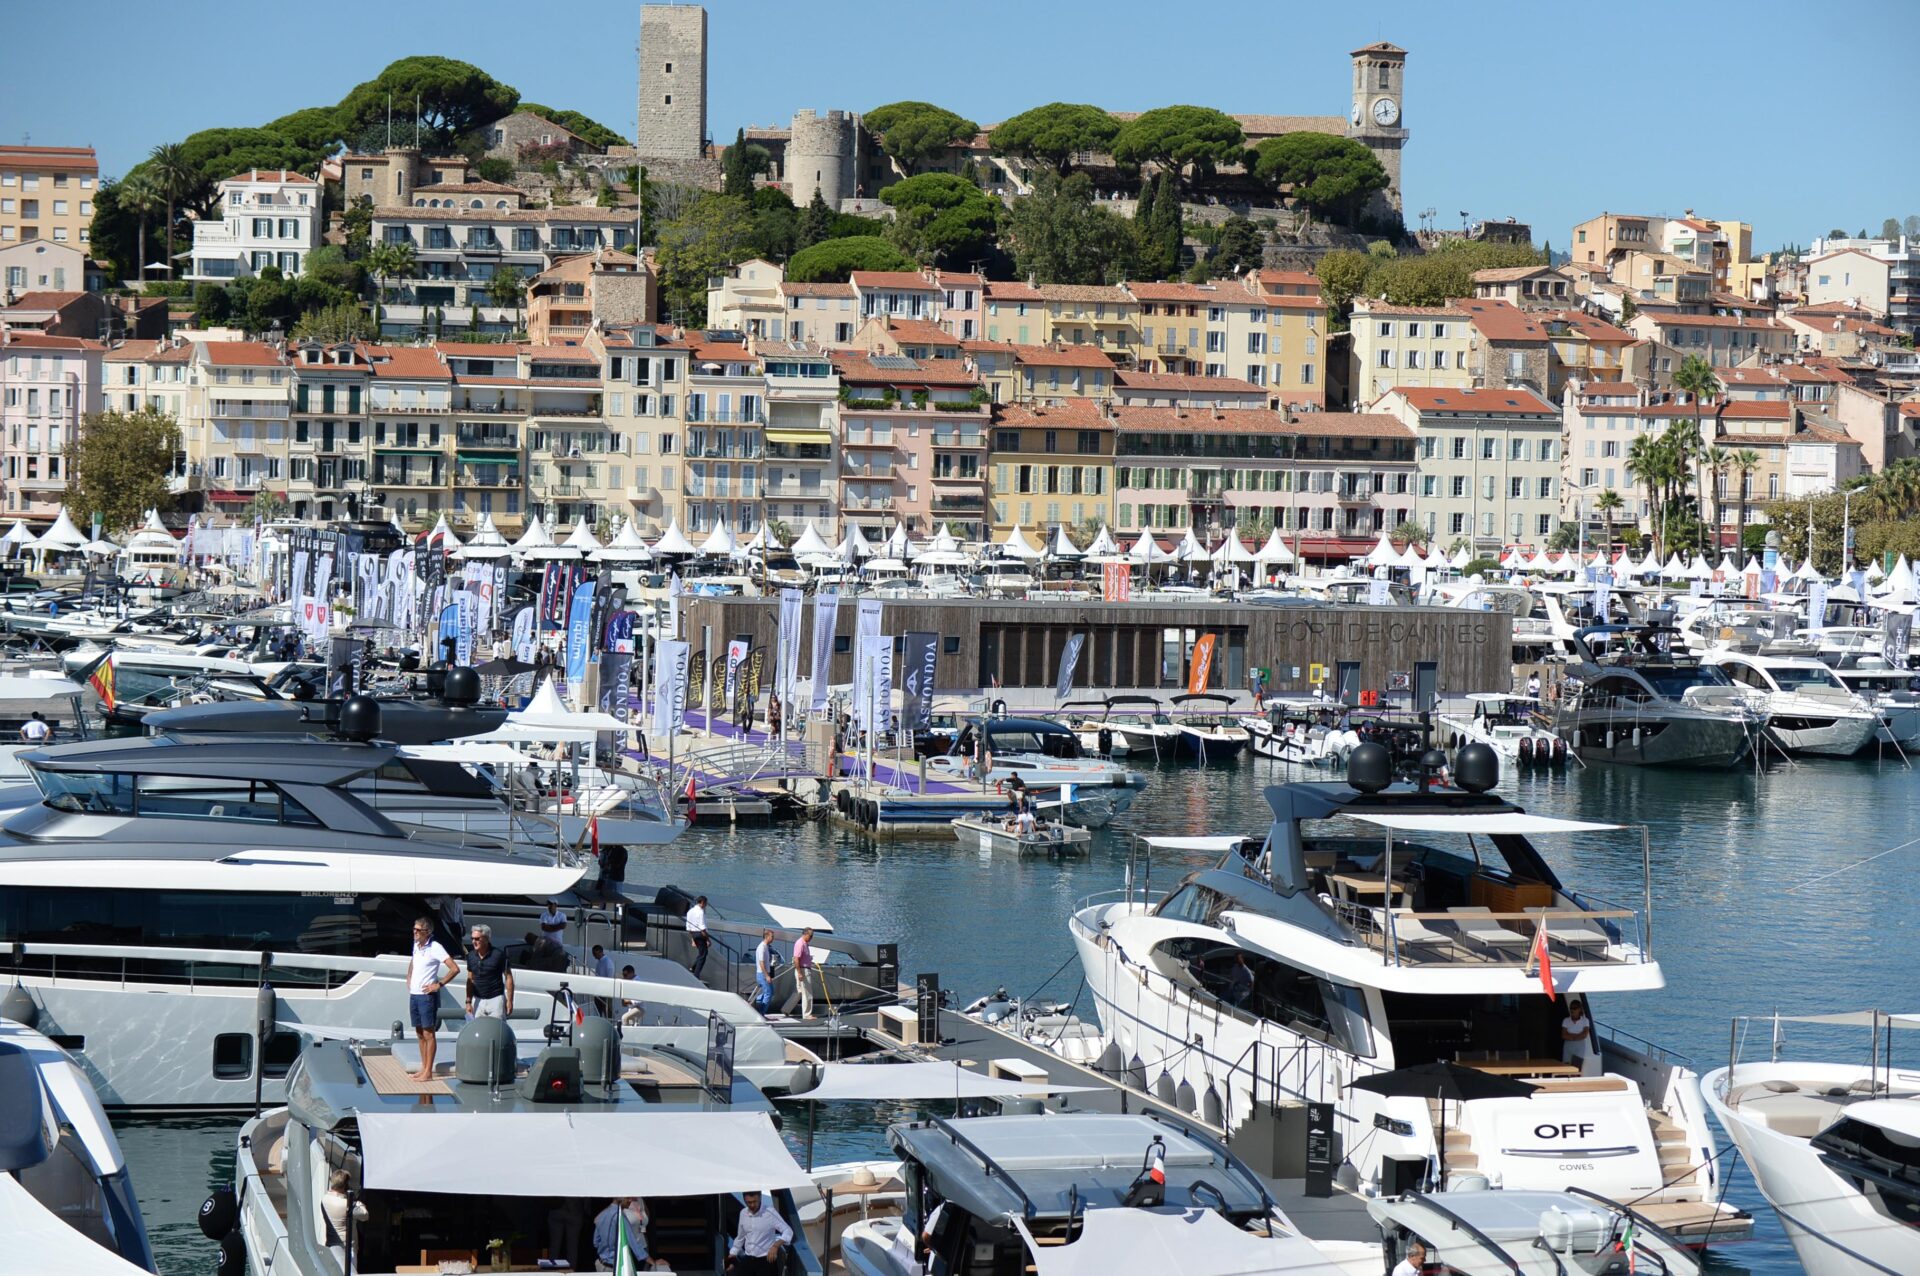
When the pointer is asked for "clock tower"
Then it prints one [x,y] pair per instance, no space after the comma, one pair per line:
[1378,118]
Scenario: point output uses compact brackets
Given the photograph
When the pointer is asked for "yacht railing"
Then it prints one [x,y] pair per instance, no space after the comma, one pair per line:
[1476,1237]
[1641,1223]
[1581,936]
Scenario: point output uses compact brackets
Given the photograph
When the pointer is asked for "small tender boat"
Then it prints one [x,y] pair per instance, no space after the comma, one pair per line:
[1005,836]
[1504,723]
[1208,733]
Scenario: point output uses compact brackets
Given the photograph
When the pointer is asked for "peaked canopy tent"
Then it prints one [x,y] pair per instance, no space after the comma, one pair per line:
[534,537]
[1805,571]
[1190,550]
[444,535]
[1275,552]
[1435,561]
[854,545]
[720,543]
[944,541]
[1063,547]
[810,542]
[63,537]
[1103,543]
[1461,557]
[674,541]
[625,547]
[1146,550]
[1016,546]
[1233,550]
[582,538]
[487,542]
[1383,554]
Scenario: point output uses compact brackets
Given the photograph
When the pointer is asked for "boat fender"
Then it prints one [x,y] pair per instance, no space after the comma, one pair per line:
[1106,740]
[1137,1072]
[17,1007]
[1636,737]
[999,708]
[1526,751]
[1183,1097]
[233,1256]
[1212,1111]
[218,1213]
[1609,741]
[999,786]
[1163,1088]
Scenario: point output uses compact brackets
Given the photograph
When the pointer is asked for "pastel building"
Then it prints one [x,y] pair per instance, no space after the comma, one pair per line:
[1489,464]
[48,386]
[269,217]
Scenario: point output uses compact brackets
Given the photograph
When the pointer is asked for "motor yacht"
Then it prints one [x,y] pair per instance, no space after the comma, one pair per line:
[1527,1233]
[160,883]
[144,681]
[1123,726]
[1283,974]
[1507,724]
[1806,708]
[1301,728]
[66,1200]
[1640,704]
[504,1159]
[1044,754]
[1740,624]
[1083,1192]
[1834,1147]
[1893,692]
[1208,732]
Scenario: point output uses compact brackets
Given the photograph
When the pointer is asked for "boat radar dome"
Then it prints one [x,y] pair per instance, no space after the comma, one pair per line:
[484,1053]
[1476,768]
[1370,768]
[463,686]
[598,1041]
[359,719]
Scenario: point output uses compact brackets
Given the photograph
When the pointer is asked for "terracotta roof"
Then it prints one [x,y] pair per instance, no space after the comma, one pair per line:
[858,366]
[1715,321]
[1383,310]
[1910,409]
[1012,290]
[45,300]
[476,187]
[243,354]
[1510,274]
[1290,278]
[132,351]
[49,158]
[479,216]
[892,279]
[41,341]
[1841,309]
[1076,414]
[480,349]
[417,363]
[571,354]
[282,175]
[920,332]
[792,289]
[1593,329]
[1502,321]
[1085,292]
[1175,382]
[1221,293]
[966,279]
[1725,409]
[723,352]
[1261,421]
[1082,356]
[1442,399]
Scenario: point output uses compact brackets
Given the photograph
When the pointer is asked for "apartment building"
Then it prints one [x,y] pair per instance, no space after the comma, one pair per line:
[1170,390]
[1489,463]
[802,435]
[41,265]
[1523,286]
[913,443]
[576,459]
[241,415]
[604,287]
[726,419]
[1329,481]
[1605,238]
[1261,332]
[46,192]
[1722,340]
[747,299]
[48,385]
[1408,346]
[821,313]
[329,444]
[1851,276]
[269,217]
[1052,467]
[1051,374]
[646,379]
[1902,256]
[1017,312]
[1106,317]
[459,249]
[1602,418]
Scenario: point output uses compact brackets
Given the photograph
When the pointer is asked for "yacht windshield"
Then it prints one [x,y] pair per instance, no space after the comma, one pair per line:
[1798,678]
[91,794]
[170,797]
[1673,683]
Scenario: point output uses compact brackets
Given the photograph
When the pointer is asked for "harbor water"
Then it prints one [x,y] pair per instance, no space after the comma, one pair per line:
[1793,890]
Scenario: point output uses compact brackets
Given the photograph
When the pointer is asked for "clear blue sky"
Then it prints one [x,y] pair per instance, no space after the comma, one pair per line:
[1545,112]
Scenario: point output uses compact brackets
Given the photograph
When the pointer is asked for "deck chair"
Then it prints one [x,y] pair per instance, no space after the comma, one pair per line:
[1484,933]
[1579,936]
[1415,935]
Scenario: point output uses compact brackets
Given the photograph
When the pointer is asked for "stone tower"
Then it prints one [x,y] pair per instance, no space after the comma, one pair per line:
[673,81]
[821,156]
[1378,119]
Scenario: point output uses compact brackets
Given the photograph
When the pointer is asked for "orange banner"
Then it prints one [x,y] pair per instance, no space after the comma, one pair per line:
[1202,665]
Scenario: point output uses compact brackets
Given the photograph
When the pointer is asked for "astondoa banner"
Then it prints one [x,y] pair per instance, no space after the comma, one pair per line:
[826,614]
[919,658]
[670,660]
[873,709]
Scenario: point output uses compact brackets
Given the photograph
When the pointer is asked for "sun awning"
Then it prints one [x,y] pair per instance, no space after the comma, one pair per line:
[1512,822]
[1216,843]
[929,1080]
[1852,1019]
[505,456]
[31,1228]
[586,1154]
[471,754]
[799,436]
[796,918]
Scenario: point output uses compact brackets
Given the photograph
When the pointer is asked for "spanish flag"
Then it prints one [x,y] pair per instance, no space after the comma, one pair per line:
[102,683]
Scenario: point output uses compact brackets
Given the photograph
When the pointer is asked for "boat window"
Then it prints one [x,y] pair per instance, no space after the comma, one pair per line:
[1271,990]
[1193,904]
[1797,678]
[1888,1157]
[89,794]
[1673,683]
[171,797]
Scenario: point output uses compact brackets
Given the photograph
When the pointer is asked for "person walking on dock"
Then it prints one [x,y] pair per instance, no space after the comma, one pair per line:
[803,964]
[697,931]
[763,959]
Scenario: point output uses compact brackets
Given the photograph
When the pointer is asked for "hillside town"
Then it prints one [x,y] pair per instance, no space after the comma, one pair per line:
[538,317]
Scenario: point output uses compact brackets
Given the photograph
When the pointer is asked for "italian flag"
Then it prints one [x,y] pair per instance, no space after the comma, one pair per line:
[623,1264]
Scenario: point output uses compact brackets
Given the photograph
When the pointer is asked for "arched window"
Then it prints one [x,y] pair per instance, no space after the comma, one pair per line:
[476,204]
[419,203]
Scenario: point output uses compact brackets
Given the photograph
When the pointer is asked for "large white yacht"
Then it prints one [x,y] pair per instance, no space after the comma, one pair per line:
[1834,1147]
[161,884]
[1807,709]
[1280,976]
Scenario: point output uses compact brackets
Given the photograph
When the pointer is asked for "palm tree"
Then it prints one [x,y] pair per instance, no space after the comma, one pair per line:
[1644,462]
[175,177]
[507,289]
[139,195]
[388,261]
[1695,377]
[1745,462]
[1608,503]
[1717,461]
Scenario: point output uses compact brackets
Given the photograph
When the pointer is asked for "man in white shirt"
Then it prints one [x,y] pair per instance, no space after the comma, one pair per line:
[757,1242]
[1414,1263]
[763,972]
[1576,1036]
[35,730]
[553,921]
[697,932]
[430,971]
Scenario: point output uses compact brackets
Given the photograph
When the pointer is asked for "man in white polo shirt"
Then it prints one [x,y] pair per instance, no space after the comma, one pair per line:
[697,932]
[430,971]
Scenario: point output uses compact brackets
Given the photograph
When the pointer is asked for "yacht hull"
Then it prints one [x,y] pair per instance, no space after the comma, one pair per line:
[1675,740]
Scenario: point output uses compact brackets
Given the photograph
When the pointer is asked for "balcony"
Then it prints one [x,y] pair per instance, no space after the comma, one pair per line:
[487,440]
[791,489]
[1358,494]
[870,504]
[482,478]
[252,409]
[410,408]
[1179,351]
[1200,494]
[573,416]
[490,409]
[959,504]
[875,473]
[708,417]
[960,438]
[32,484]
[561,489]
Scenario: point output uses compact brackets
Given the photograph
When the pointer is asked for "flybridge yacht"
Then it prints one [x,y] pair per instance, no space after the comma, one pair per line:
[1806,707]
[1834,1147]
[1378,927]
[161,883]
[1641,704]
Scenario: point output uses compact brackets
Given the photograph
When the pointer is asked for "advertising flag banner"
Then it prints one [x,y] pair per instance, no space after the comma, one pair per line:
[579,633]
[1202,665]
[826,612]
[670,660]
[787,676]
[736,656]
[919,659]
[1069,661]
[875,659]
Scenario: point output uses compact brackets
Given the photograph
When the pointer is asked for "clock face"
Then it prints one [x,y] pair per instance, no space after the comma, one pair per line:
[1385,111]
[1356,114]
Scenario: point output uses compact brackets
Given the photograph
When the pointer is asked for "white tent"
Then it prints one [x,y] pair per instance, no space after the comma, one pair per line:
[582,538]
[1805,571]
[760,540]
[1461,557]
[1674,570]
[100,548]
[1409,558]
[810,542]
[944,541]
[487,542]
[1016,546]
[1189,550]
[1147,550]
[1275,551]
[853,545]
[548,713]
[674,542]
[1063,547]
[63,535]
[1513,560]
[1650,566]
[448,540]
[19,534]
[1232,550]
[720,544]
[1435,561]
[1900,581]
[1875,571]
[1727,566]
[1699,569]
[1383,554]
[535,537]
[625,547]
[1103,543]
